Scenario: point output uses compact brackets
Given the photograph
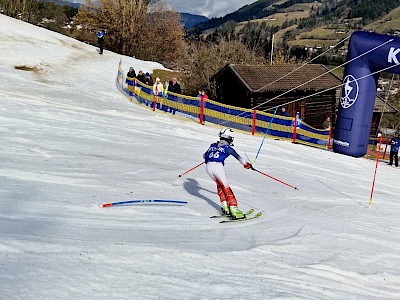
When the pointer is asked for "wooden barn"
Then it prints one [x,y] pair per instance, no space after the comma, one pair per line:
[381,107]
[250,85]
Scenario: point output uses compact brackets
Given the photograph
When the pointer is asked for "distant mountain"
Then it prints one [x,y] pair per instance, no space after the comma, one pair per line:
[331,12]
[256,10]
[64,2]
[190,20]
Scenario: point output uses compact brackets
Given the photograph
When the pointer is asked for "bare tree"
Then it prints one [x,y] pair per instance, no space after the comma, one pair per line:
[206,59]
[146,29]
[21,9]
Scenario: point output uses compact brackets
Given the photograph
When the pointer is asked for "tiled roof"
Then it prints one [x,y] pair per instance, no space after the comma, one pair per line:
[263,78]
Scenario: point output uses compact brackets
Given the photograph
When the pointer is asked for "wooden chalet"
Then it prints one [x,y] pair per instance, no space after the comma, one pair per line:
[381,107]
[250,85]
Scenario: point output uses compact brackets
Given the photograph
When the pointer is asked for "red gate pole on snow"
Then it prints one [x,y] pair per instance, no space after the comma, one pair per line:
[376,168]
[155,99]
[201,117]
[253,127]
[330,137]
[155,103]
[384,153]
[295,129]
[133,87]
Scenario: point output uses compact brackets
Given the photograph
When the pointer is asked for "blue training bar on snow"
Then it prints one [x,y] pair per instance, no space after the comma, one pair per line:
[142,201]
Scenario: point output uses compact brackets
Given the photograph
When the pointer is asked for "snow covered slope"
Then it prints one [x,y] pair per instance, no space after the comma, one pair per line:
[70,141]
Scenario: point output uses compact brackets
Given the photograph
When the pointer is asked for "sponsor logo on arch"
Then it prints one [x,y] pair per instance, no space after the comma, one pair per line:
[349,91]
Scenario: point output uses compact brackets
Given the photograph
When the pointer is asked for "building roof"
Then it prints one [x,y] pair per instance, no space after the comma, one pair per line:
[263,78]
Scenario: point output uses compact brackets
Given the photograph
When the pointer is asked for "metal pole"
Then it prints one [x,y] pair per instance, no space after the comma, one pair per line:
[272,47]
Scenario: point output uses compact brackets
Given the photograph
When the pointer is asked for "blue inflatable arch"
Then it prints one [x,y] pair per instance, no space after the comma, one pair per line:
[369,53]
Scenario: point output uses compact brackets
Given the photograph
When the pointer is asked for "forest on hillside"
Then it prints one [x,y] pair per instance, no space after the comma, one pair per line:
[51,15]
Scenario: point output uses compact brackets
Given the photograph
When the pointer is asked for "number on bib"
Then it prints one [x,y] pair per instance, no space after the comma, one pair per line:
[214,155]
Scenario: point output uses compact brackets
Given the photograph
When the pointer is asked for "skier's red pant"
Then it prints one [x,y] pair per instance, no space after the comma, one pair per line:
[217,172]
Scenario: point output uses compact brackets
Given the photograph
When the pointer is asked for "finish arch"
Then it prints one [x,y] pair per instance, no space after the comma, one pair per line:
[368,54]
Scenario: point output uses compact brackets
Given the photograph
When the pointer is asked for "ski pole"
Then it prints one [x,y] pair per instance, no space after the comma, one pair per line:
[191,169]
[265,135]
[275,179]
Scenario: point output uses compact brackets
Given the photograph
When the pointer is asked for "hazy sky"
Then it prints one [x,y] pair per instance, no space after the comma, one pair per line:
[208,8]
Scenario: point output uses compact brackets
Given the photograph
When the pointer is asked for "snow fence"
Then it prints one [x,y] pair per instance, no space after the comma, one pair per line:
[206,110]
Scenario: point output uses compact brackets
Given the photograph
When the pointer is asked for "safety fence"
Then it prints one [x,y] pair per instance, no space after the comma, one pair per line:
[376,147]
[205,110]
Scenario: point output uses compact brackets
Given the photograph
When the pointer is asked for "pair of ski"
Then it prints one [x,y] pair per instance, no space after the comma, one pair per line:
[251,211]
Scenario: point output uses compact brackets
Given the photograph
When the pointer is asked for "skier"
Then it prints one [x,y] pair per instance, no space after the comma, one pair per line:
[394,150]
[100,40]
[214,158]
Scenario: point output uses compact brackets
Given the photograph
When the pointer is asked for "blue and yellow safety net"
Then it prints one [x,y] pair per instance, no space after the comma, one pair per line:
[217,113]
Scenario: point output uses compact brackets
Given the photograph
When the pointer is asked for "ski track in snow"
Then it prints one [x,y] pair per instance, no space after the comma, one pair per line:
[70,141]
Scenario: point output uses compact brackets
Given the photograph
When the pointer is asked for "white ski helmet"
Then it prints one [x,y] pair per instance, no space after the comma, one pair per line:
[227,134]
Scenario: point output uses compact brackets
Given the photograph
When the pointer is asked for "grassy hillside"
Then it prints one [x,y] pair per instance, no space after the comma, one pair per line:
[388,24]
[279,18]
[312,43]
[254,11]
[308,23]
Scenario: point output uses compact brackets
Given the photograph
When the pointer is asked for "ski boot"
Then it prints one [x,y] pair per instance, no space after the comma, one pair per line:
[236,213]
[225,208]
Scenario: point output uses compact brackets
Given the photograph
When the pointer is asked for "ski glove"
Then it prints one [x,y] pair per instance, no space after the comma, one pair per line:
[248,166]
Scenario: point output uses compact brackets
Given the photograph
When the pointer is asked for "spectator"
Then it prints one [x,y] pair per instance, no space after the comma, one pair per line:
[158,88]
[130,81]
[100,40]
[141,77]
[148,79]
[299,120]
[394,150]
[327,123]
[283,112]
[173,86]
[131,73]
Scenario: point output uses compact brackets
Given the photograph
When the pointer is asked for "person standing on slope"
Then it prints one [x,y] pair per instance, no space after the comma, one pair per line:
[100,40]
[215,158]
[394,150]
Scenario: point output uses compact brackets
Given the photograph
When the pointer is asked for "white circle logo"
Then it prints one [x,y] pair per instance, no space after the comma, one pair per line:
[349,91]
